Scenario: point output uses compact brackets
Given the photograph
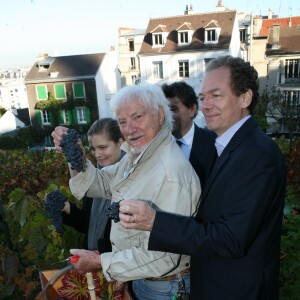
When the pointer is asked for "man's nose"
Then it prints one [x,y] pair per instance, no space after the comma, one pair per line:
[130,128]
[207,102]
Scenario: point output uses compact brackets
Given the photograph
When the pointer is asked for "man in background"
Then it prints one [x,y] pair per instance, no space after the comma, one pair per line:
[196,143]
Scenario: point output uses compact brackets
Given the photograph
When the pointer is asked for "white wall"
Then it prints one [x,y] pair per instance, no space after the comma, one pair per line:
[9,122]
[170,67]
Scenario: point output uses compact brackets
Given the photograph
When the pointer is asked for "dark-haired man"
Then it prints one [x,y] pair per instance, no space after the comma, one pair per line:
[196,143]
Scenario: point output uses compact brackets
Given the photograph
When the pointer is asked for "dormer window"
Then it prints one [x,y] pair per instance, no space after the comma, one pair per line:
[183,37]
[157,39]
[159,36]
[185,32]
[212,32]
[210,35]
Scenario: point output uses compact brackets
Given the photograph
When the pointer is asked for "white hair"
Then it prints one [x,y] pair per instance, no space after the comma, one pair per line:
[149,95]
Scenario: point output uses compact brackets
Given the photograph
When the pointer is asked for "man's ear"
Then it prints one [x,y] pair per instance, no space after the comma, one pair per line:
[193,110]
[161,114]
[247,98]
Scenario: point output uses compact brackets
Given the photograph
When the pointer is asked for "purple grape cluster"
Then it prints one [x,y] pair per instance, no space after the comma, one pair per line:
[72,150]
[55,202]
[112,211]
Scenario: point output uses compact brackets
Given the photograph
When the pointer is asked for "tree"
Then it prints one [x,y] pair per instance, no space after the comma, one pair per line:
[260,111]
[284,108]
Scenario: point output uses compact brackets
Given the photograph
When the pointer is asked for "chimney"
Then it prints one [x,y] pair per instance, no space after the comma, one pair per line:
[42,56]
[188,9]
[270,14]
[220,6]
[275,32]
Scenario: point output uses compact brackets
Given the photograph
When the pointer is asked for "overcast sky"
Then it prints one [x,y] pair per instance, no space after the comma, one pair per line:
[67,27]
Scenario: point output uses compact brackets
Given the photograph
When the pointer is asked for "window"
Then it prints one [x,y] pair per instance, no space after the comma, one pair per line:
[133,79]
[157,39]
[183,69]
[157,70]
[132,63]
[81,115]
[45,117]
[292,98]
[60,92]
[292,68]
[78,90]
[65,117]
[131,45]
[183,37]
[41,91]
[243,35]
[211,35]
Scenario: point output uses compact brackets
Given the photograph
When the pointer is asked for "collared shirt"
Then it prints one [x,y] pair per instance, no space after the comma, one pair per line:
[223,140]
[187,142]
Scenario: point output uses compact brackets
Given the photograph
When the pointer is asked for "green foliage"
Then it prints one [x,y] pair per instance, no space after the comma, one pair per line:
[25,179]
[290,245]
[290,238]
[56,105]
[2,112]
[283,144]
[24,138]
[260,111]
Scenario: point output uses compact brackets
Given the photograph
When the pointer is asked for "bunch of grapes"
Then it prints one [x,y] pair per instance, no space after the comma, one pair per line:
[112,211]
[55,202]
[72,150]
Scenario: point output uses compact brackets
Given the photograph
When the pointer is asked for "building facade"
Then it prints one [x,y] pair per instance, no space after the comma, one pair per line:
[71,90]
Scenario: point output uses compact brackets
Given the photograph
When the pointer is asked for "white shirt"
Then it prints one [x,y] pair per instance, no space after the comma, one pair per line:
[223,140]
[187,142]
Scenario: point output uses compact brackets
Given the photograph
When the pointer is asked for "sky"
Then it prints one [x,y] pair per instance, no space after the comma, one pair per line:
[69,27]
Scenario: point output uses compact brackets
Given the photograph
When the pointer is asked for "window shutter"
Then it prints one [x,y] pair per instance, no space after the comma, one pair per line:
[41,92]
[88,115]
[61,117]
[51,118]
[70,116]
[39,117]
[78,90]
[74,116]
[60,91]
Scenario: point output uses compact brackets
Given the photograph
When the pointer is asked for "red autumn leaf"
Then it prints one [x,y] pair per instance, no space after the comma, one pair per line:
[74,286]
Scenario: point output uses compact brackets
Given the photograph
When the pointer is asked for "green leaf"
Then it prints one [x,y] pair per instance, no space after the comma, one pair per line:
[21,211]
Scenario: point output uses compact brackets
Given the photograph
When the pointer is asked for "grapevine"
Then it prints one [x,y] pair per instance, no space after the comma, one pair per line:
[72,150]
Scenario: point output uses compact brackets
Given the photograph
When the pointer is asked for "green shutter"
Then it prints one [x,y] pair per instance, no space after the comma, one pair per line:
[61,117]
[78,90]
[74,118]
[51,118]
[70,117]
[88,115]
[60,91]
[39,117]
[41,92]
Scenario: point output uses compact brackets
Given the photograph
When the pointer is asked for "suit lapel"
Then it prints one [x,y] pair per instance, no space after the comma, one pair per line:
[232,145]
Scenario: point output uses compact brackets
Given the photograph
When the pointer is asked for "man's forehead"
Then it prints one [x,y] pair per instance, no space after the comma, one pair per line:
[131,109]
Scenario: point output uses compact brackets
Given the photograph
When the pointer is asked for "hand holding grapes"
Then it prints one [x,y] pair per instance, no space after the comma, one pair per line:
[68,141]
[57,135]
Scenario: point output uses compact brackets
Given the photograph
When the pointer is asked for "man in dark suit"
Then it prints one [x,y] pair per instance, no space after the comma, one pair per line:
[234,239]
[196,143]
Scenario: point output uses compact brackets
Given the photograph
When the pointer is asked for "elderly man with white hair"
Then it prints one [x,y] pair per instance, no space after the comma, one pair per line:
[154,170]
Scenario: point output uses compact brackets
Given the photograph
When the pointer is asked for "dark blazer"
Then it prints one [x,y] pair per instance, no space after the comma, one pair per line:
[202,152]
[234,241]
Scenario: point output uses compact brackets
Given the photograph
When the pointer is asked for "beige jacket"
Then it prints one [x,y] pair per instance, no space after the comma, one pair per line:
[162,176]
